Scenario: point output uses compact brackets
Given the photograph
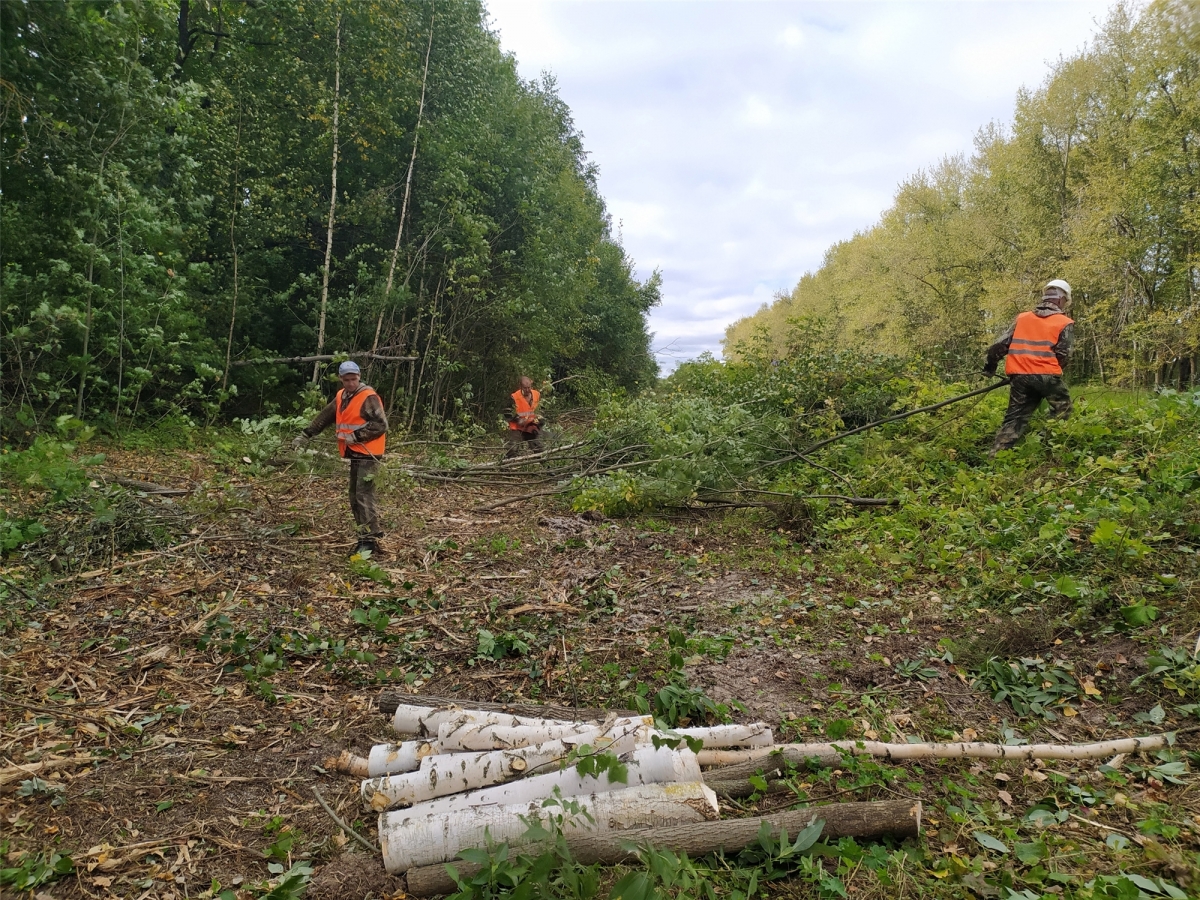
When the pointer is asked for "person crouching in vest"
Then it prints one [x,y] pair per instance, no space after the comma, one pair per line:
[1034,349]
[524,424]
[362,428]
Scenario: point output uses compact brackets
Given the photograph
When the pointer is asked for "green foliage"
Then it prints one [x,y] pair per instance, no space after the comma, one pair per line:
[1032,686]
[362,566]
[160,207]
[287,885]
[508,644]
[1101,505]
[677,702]
[593,763]
[915,668]
[50,464]
[259,657]
[32,870]
[552,873]
[1176,669]
[1092,181]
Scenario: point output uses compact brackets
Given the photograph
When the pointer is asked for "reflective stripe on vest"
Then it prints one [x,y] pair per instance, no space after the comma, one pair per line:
[526,412]
[1031,350]
[350,420]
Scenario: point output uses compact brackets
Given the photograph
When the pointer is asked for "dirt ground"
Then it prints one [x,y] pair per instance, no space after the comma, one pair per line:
[159,764]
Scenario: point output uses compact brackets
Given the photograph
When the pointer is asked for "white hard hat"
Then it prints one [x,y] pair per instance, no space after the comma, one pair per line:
[1061,285]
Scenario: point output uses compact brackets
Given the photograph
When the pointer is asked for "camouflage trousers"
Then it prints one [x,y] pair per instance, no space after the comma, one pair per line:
[362,496]
[1025,395]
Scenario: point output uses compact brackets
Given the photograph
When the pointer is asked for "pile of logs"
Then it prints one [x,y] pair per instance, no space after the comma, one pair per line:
[464,775]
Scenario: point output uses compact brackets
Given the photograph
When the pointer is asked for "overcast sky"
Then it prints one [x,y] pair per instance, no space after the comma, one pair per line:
[737,141]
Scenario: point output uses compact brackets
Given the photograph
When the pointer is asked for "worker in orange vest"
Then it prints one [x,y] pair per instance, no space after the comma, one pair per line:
[1034,349]
[524,424]
[362,428]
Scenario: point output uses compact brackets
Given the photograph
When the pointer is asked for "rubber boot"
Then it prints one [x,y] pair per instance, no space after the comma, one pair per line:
[378,550]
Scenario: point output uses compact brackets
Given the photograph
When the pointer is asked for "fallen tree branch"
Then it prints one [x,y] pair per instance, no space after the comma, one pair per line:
[130,564]
[341,824]
[49,764]
[323,357]
[896,418]
[737,760]
[766,504]
[146,487]
[888,818]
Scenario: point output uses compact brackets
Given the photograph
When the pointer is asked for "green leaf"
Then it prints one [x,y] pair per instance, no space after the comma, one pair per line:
[1139,615]
[634,886]
[991,843]
[1032,853]
[808,836]
[1116,842]
[163,805]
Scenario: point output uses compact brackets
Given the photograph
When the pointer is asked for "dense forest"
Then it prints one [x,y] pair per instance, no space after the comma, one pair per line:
[189,186]
[1096,181]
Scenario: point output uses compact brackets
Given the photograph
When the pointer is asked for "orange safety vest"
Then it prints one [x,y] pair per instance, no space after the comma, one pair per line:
[526,413]
[1031,351]
[350,419]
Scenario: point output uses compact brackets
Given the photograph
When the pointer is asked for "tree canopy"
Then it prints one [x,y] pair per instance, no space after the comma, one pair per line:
[187,186]
[1096,181]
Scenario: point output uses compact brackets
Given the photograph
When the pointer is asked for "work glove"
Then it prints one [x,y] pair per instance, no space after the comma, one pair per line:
[299,441]
[989,369]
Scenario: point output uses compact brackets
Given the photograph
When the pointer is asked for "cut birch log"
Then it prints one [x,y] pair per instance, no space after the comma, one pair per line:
[865,821]
[349,764]
[388,759]
[389,703]
[454,773]
[384,759]
[646,765]
[716,737]
[409,841]
[424,721]
[974,750]
[465,734]
[469,732]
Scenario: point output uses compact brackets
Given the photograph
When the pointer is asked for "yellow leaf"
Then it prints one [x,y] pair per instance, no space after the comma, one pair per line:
[1070,711]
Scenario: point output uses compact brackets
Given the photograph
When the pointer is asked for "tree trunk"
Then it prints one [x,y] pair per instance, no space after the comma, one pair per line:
[337,91]
[412,161]
[887,818]
[87,331]
[121,325]
[234,249]
[408,841]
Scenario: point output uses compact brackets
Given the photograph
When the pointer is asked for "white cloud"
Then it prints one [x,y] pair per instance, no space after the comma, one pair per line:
[757,111]
[640,220]
[738,141]
[792,37]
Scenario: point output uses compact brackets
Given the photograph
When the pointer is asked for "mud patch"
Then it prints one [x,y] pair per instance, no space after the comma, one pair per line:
[766,684]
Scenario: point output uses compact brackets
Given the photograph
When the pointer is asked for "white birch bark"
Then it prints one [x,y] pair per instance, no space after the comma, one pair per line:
[409,841]
[453,773]
[962,750]
[646,765]
[337,96]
